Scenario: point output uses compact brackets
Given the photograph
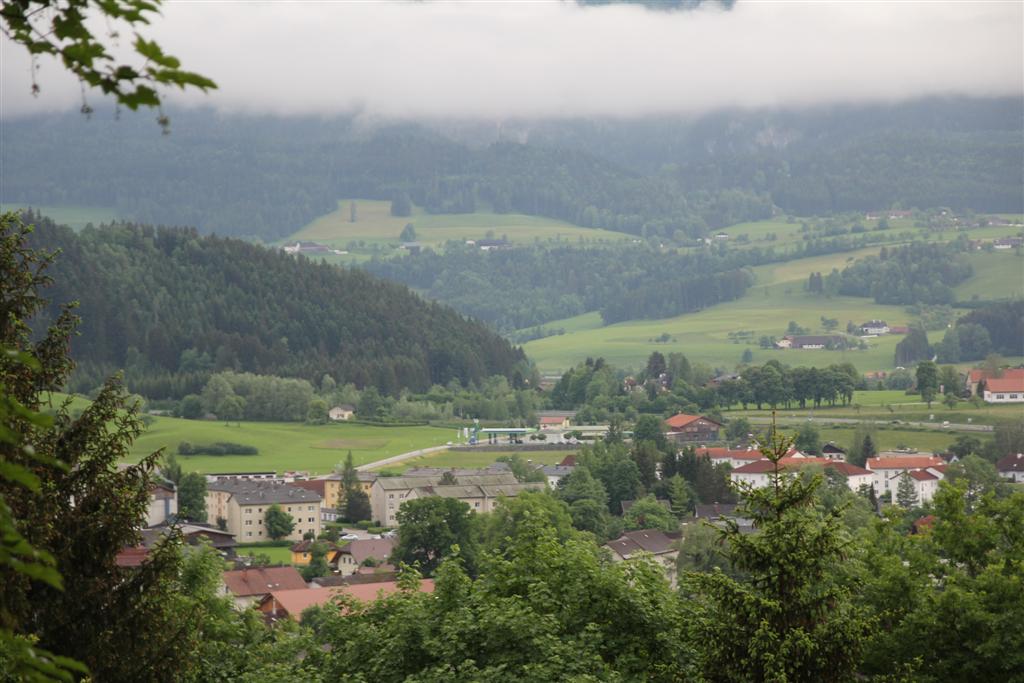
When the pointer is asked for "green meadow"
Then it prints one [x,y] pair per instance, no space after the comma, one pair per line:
[474,459]
[375,225]
[776,298]
[76,217]
[284,445]
[277,554]
[887,439]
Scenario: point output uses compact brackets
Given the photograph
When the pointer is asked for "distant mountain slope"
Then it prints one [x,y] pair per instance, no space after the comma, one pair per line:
[173,306]
[267,177]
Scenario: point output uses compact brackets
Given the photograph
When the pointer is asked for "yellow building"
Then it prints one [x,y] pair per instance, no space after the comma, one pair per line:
[242,505]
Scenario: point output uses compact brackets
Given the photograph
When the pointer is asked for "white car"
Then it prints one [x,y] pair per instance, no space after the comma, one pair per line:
[350,537]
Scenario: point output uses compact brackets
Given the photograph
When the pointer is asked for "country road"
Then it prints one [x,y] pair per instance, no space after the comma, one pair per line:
[938,426]
[399,458]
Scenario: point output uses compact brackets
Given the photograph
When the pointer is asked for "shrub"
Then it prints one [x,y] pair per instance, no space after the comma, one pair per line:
[218,448]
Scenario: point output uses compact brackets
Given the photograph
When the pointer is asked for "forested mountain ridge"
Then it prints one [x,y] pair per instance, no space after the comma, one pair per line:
[266,177]
[171,307]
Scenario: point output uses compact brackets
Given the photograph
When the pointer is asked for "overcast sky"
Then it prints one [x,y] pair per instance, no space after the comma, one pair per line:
[524,59]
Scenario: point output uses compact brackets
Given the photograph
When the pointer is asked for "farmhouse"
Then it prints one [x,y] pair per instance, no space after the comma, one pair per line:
[1012,467]
[242,504]
[734,457]
[977,375]
[683,427]
[874,327]
[1004,390]
[811,341]
[342,412]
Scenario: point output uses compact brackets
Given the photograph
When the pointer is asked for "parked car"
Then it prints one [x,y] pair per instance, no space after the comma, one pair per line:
[350,537]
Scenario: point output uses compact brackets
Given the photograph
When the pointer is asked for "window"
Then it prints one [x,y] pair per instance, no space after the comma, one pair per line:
[289,508]
[248,533]
[310,508]
[248,522]
[259,509]
[311,519]
[248,511]
[391,496]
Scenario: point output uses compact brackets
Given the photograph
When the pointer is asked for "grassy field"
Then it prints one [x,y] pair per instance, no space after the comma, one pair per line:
[74,216]
[996,275]
[284,445]
[887,439]
[475,459]
[376,226]
[777,298]
[277,555]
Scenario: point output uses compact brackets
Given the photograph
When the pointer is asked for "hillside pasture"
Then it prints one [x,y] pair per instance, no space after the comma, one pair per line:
[997,275]
[375,225]
[75,217]
[283,445]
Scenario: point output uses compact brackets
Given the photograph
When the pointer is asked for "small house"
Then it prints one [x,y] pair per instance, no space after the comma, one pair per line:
[342,412]
[682,427]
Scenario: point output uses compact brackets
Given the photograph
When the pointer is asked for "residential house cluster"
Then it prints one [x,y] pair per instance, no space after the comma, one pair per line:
[759,472]
[812,341]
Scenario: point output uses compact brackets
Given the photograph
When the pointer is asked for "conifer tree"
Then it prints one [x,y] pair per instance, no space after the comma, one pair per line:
[791,620]
[906,492]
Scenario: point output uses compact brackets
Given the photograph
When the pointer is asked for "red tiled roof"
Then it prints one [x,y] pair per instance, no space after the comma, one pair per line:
[1011,463]
[552,420]
[978,374]
[1004,383]
[682,419]
[293,602]
[568,461]
[922,475]
[716,453]
[262,580]
[848,469]
[132,557]
[904,462]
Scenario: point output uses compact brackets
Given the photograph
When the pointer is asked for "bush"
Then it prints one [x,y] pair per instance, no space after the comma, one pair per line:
[364,525]
[375,530]
[218,448]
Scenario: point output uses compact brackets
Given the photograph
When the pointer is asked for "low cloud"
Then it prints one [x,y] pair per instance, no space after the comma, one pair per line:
[555,59]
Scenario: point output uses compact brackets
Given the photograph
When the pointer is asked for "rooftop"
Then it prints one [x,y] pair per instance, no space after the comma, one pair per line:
[253,491]
[682,419]
[904,462]
[293,602]
[262,580]
[632,543]
[1011,463]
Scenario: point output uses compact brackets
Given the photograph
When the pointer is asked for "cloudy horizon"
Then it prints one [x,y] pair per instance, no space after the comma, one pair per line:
[557,59]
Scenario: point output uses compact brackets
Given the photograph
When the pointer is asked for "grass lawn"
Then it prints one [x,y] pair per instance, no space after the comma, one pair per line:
[277,555]
[475,459]
[284,445]
[375,225]
[74,216]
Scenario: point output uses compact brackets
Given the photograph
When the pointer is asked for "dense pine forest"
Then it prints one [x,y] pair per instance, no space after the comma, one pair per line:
[266,177]
[172,307]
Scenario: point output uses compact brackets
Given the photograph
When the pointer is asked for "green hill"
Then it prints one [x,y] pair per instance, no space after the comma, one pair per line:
[172,307]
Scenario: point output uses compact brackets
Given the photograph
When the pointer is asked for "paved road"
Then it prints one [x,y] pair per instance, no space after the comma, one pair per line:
[902,423]
[399,458]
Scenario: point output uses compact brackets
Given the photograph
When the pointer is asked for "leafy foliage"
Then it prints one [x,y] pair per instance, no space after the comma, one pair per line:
[279,523]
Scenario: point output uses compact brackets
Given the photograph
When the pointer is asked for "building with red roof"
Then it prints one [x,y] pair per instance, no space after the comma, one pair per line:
[887,471]
[289,604]
[249,586]
[977,375]
[692,428]
[758,473]
[1007,389]
[735,457]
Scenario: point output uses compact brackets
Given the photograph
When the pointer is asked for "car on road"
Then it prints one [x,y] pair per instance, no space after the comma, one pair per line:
[350,537]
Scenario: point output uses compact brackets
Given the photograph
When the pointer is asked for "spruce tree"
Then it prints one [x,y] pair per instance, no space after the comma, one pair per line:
[791,619]
[906,492]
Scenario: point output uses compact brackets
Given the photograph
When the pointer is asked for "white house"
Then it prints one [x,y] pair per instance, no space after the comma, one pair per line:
[1012,467]
[926,483]
[875,327]
[342,412]
[163,503]
[884,469]
[1007,389]
[758,473]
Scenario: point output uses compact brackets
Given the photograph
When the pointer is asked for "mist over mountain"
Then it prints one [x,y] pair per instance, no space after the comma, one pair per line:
[265,177]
